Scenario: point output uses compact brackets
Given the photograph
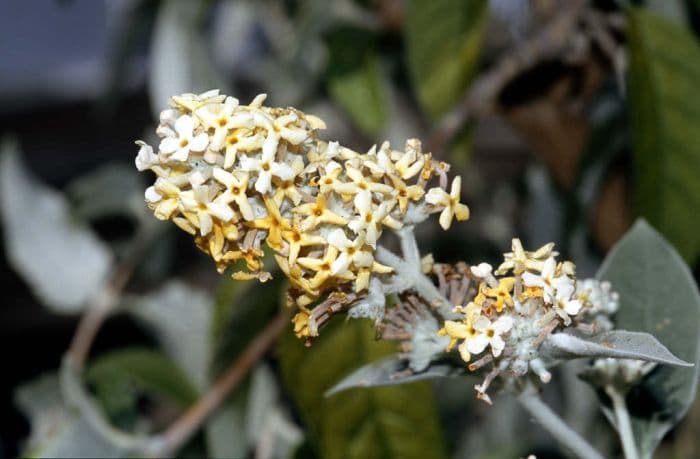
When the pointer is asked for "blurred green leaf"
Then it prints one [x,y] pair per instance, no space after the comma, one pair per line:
[57,431]
[657,295]
[149,370]
[355,79]
[399,421]
[443,41]
[43,242]
[665,113]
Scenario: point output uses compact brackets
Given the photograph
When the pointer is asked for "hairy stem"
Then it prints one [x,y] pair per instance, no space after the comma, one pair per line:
[413,276]
[556,426]
[624,425]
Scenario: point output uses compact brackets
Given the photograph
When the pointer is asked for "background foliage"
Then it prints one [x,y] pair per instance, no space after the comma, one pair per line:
[567,120]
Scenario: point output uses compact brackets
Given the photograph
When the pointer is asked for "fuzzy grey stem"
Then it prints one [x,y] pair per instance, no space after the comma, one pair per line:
[551,422]
[414,278]
[409,246]
[624,425]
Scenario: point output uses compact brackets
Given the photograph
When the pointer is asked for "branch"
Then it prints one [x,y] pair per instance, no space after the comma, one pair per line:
[73,364]
[556,426]
[545,45]
[170,441]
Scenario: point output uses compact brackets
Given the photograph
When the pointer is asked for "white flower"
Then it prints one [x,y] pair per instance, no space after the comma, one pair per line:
[223,120]
[178,148]
[547,281]
[266,167]
[482,270]
[145,158]
[199,201]
[351,252]
[371,217]
[489,333]
[564,305]
[236,188]
[452,206]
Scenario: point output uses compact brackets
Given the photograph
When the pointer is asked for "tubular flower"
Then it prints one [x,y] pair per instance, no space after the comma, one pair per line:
[238,177]
[512,313]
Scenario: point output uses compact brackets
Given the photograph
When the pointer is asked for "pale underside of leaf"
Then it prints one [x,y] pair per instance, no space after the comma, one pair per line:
[391,371]
[615,344]
[63,262]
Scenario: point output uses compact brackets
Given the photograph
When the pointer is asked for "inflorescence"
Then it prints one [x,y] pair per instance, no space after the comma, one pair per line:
[241,177]
[237,176]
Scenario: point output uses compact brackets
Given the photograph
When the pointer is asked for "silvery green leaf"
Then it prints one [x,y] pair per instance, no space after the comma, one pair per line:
[391,371]
[225,430]
[658,295]
[57,431]
[63,262]
[616,344]
[179,56]
[267,426]
[181,317]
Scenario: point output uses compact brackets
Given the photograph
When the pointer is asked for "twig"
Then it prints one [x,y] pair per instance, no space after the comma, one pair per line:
[412,274]
[165,444]
[623,423]
[482,94]
[168,443]
[551,422]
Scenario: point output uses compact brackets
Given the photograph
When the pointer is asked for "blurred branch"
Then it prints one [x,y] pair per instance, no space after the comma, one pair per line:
[167,443]
[481,96]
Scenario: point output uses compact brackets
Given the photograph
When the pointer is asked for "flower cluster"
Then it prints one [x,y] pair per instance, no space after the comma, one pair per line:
[511,315]
[237,176]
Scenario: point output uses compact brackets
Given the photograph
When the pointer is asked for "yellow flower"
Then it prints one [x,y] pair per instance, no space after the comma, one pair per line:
[450,202]
[405,193]
[501,293]
[520,260]
[274,223]
[323,267]
[317,213]
[297,239]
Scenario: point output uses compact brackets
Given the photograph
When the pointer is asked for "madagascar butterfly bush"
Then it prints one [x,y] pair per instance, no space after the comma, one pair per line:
[242,178]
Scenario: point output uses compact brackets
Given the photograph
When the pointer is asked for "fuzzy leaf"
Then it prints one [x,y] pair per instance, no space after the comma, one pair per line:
[63,262]
[179,55]
[391,371]
[397,421]
[665,112]
[619,344]
[57,431]
[355,80]
[181,318]
[658,295]
[443,41]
